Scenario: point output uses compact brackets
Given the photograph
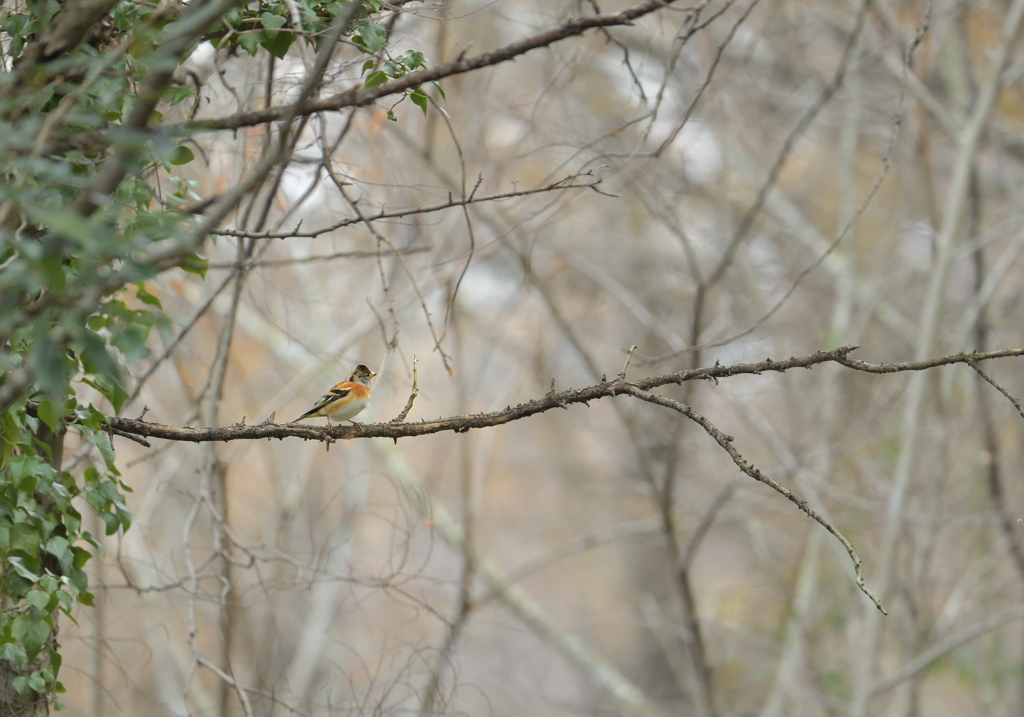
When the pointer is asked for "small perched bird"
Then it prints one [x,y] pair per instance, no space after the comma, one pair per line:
[345,400]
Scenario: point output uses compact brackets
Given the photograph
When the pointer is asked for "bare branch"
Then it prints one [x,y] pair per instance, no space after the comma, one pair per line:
[725,441]
[362,96]
[565,183]
[551,400]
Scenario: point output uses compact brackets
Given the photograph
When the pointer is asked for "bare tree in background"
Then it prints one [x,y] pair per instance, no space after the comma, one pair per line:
[606,218]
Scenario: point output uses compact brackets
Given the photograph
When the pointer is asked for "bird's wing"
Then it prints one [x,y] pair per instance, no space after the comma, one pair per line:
[335,394]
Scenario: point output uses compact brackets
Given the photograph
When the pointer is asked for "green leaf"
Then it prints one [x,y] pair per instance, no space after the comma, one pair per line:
[277,42]
[96,360]
[419,98]
[124,515]
[174,95]
[77,578]
[36,682]
[111,390]
[38,599]
[181,155]
[31,634]
[251,41]
[82,556]
[414,59]
[46,356]
[195,263]
[102,442]
[57,546]
[370,38]
[131,340]
[368,65]
[20,684]
[111,521]
[87,537]
[19,567]
[13,652]
[440,90]
[61,221]
[271,21]
[375,79]
[49,414]
[53,270]
[143,295]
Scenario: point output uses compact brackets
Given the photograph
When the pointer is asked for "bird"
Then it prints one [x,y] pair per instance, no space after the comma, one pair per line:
[345,400]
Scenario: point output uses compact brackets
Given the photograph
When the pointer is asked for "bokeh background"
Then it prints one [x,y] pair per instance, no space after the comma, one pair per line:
[762,178]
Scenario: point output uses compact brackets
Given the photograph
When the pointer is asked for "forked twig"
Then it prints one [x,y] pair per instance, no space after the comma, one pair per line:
[725,441]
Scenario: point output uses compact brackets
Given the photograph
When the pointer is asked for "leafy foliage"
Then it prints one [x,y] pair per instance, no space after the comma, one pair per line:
[74,307]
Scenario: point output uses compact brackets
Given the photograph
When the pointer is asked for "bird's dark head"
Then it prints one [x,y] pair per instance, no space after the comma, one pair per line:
[361,374]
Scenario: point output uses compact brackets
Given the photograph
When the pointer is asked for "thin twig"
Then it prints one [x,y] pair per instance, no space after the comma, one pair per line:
[569,182]
[1009,396]
[360,96]
[400,418]
[629,357]
[726,442]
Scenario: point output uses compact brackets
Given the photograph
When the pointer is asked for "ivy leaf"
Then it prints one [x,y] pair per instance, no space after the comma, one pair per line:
[92,352]
[370,38]
[110,389]
[19,567]
[20,684]
[414,59]
[251,41]
[111,521]
[57,546]
[13,652]
[419,98]
[124,515]
[31,634]
[38,599]
[277,42]
[81,556]
[375,79]
[271,21]
[49,414]
[36,682]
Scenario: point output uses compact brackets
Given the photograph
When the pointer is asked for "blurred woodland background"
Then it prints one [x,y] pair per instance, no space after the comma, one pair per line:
[720,181]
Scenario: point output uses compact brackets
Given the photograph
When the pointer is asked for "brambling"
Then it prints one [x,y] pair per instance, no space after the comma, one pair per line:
[345,400]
